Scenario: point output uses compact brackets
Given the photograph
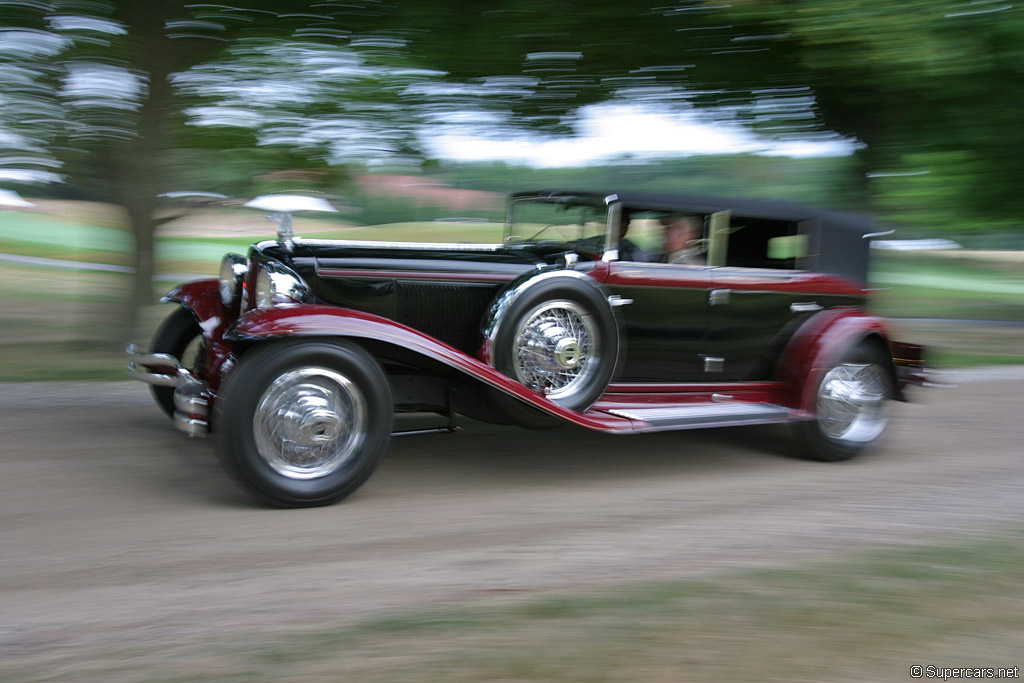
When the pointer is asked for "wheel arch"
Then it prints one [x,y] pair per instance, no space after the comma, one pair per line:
[821,342]
[202,299]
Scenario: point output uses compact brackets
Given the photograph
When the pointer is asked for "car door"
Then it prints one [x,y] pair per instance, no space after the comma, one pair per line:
[665,312]
[753,314]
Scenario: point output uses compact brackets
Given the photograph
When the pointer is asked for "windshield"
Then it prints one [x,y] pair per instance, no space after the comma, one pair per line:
[565,220]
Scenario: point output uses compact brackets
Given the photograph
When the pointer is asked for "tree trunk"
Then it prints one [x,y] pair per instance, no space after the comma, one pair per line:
[138,176]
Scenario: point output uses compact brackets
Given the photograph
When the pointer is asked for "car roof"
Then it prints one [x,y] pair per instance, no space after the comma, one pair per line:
[745,207]
[838,240]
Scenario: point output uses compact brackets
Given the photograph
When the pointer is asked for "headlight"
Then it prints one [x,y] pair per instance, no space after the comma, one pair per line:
[233,268]
[277,284]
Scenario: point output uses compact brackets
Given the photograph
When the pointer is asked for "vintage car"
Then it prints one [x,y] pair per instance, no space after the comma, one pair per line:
[299,355]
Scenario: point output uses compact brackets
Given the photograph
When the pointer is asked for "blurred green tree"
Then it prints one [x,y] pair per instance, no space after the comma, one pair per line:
[128,98]
[120,91]
[927,87]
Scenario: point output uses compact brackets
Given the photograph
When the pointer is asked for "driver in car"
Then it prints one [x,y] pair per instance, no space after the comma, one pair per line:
[628,250]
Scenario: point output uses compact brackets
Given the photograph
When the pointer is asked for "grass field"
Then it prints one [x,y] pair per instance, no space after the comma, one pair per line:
[856,617]
[61,323]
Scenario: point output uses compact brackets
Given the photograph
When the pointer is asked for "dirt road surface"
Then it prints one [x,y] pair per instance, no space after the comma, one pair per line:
[117,527]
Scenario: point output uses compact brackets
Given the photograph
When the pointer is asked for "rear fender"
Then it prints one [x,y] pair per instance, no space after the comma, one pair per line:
[822,342]
[331,321]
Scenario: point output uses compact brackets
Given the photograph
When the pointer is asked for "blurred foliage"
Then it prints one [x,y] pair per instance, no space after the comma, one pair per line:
[126,99]
[927,87]
[822,181]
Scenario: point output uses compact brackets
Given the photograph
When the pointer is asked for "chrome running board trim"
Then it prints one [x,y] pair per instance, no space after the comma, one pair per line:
[703,415]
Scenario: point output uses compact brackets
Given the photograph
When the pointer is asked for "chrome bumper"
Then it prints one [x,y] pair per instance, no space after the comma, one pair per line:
[191,398]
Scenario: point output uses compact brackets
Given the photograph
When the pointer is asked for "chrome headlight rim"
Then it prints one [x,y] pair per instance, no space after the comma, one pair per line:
[277,284]
[233,269]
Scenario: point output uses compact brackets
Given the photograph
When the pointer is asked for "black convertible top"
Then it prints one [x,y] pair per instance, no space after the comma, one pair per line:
[837,240]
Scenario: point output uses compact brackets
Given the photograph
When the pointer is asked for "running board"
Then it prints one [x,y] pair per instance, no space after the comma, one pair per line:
[696,415]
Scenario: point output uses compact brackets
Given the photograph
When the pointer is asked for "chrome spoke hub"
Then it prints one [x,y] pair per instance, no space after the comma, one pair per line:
[309,423]
[555,349]
[852,403]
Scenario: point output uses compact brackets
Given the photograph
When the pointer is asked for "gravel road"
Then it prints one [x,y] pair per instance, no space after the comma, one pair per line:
[115,526]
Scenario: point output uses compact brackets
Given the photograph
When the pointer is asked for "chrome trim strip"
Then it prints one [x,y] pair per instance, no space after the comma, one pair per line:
[702,412]
[689,387]
[488,278]
[883,233]
[421,265]
[423,246]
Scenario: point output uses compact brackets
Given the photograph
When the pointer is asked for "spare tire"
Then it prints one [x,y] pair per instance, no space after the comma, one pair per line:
[559,337]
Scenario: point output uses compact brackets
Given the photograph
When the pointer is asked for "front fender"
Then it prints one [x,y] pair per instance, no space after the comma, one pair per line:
[202,297]
[332,321]
[822,342]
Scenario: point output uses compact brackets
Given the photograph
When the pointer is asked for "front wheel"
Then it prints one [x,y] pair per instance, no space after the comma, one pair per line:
[304,423]
[179,335]
[852,406]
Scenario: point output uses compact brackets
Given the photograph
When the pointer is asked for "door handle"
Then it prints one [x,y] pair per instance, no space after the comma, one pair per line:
[717,297]
[805,306]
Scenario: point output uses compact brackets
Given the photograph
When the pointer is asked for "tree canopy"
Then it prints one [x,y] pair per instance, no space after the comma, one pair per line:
[117,95]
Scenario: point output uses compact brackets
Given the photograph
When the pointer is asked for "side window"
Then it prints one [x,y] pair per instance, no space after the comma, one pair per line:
[659,237]
[761,243]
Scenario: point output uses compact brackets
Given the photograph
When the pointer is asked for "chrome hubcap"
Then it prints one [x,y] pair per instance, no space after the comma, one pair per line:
[852,403]
[555,349]
[309,422]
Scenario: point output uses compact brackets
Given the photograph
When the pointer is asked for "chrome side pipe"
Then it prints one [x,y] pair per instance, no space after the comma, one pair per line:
[141,367]
[191,404]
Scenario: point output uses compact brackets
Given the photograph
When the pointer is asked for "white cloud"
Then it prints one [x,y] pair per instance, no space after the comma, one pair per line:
[610,130]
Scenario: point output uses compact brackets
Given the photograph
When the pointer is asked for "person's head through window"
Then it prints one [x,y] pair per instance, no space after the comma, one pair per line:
[683,239]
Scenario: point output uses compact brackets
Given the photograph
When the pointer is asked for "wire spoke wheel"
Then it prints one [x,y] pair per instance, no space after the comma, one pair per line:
[555,349]
[555,334]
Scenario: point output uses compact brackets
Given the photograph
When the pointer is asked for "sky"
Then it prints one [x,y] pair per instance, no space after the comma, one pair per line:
[611,130]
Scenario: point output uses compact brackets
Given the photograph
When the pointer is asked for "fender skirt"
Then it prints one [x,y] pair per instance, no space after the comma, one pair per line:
[331,321]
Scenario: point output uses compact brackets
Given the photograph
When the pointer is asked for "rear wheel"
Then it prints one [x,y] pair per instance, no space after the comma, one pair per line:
[304,423]
[179,335]
[852,406]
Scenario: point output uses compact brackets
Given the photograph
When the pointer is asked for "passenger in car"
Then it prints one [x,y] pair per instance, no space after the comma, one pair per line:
[683,240]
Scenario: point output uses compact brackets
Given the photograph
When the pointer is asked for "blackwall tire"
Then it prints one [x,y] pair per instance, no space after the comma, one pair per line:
[179,335]
[304,423]
[559,338]
[853,404]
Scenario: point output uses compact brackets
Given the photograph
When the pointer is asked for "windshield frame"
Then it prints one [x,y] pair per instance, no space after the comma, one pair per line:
[599,204]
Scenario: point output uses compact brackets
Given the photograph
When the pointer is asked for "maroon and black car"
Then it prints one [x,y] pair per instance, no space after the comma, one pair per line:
[620,313]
